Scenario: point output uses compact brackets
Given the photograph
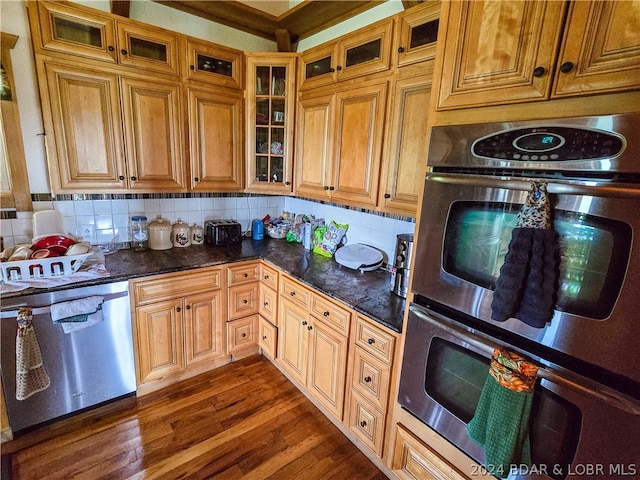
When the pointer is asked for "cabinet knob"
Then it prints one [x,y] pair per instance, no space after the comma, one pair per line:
[363,424]
[293,294]
[566,67]
[110,48]
[371,341]
[264,337]
[338,68]
[539,72]
[304,322]
[332,188]
[266,304]
[367,379]
[245,301]
[326,187]
[196,179]
[326,314]
[287,183]
[387,195]
[192,67]
[309,327]
[121,177]
[331,70]
[133,179]
[178,309]
[188,307]
[244,335]
[123,51]
[266,277]
[400,49]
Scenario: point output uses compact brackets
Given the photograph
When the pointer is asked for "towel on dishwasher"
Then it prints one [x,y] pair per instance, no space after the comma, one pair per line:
[31,376]
[78,314]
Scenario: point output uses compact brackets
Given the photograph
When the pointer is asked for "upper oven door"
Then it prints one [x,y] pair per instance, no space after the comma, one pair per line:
[464,234]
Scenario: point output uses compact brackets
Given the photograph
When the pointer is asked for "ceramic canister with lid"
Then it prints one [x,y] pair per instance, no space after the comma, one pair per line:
[160,234]
[181,234]
[197,235]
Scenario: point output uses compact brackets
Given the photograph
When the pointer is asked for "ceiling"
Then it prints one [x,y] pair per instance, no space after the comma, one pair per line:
[304,19]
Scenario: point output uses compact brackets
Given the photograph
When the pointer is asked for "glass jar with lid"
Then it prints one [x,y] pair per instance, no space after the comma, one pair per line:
[139,233]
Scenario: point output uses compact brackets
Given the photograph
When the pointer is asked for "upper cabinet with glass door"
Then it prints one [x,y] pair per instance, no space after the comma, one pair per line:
[365,51]
[214,64]
[88,33]
[417,33]
[270,111]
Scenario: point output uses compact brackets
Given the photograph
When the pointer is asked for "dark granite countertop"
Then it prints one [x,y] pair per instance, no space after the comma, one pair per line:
[368,293]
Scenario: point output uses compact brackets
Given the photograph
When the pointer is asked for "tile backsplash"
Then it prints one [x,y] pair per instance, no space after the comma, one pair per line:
[99,221]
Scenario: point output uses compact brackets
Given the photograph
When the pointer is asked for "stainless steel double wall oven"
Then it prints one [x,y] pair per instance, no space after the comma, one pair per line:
[585,421]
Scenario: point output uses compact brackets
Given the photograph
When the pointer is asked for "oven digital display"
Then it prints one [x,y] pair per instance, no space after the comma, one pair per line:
[538,142]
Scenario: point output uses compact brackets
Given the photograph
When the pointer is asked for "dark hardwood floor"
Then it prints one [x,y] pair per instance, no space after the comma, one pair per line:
[242,421]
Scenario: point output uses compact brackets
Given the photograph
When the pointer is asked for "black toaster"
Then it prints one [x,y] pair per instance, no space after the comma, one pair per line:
[222,232]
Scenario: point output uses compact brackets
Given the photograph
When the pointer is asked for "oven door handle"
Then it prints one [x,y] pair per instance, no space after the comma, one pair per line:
[570,187]
[565,379]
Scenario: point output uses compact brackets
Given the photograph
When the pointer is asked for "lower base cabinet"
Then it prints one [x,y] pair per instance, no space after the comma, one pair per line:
[413,460]
[242,335]
[267,337]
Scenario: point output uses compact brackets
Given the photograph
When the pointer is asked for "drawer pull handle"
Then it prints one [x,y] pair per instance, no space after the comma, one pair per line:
[363,424]
[326,314]
[266,277]
[371,341]
[245,301]
[367,379]
[246,275]
[244,335]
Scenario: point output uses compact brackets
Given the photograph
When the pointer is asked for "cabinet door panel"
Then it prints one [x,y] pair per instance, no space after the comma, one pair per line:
[492,49]
[147,48]
[360,122]
[327,367]
[151,115]
[292,339]
[203,320]
[406,155]
[243,300]
[268,304]
[314,145]
[159,332]
[267,337]
[603,43]
[85,113]
[215,128]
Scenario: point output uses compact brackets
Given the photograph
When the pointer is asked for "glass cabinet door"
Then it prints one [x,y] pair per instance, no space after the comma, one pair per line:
[318,66]
[365,53]
[68,30]
[148,48]
[418,33]
[214,64]
[271,87]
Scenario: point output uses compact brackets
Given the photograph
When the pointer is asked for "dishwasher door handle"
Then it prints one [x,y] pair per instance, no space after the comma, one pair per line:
[13,313]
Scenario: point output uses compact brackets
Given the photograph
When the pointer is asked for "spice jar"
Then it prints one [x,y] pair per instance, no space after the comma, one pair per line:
[181,234]
[197,235]
[139,233]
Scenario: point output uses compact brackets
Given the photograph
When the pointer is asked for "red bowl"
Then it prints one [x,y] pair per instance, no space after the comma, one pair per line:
[53,240]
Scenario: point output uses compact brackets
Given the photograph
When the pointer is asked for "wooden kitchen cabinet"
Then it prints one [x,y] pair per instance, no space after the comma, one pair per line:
[510,52]
[215,139]
[271,94]
[178,321]
[76,30]
[268,309]
[363,52]
[243,308]
[267,337]
[214,64]
[242,334]
[417,33]
[96,116]
[312,343]
[340,153]
[406,144]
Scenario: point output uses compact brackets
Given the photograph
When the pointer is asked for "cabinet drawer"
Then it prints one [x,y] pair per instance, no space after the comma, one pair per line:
[243,300]
[374,340]
[331,314]
[371,378]
[174,285]
[243,273]
[413,459]
[295,292]
[242,333]
[267,337]
[268,304]
[367,422]
[269,276]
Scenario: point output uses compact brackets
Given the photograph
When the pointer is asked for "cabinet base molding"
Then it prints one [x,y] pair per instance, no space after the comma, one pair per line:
[192,371]
[245,352]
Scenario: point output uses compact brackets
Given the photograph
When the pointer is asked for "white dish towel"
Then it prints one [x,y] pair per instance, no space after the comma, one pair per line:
[78,314]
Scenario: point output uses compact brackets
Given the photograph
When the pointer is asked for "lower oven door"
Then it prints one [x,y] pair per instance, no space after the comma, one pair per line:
[578,429]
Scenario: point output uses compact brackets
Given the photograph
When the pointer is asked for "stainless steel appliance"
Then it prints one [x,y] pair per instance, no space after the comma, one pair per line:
[401,270]
[478,179]
[222,232]
[87,367]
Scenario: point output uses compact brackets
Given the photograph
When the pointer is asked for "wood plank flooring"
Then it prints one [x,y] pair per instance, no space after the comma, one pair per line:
[242,421]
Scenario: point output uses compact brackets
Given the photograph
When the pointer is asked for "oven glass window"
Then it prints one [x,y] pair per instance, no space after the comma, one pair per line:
[455,377]
[593,253]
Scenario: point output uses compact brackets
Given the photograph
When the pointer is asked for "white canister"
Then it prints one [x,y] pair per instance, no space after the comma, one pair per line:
[197,235]
[181,234]
[160,234]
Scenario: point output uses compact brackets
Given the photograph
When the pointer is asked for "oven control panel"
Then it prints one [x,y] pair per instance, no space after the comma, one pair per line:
[544,143]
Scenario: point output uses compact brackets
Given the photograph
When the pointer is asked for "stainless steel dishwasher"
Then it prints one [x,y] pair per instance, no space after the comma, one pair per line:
[87,367]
